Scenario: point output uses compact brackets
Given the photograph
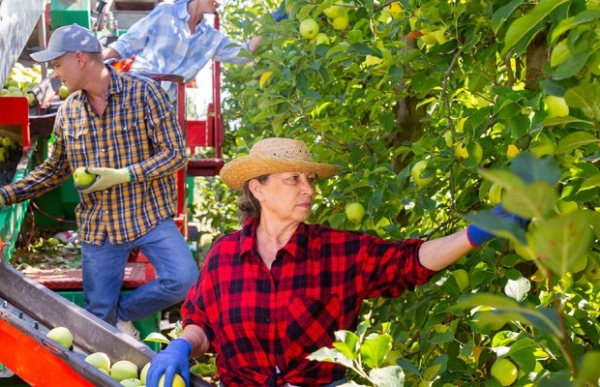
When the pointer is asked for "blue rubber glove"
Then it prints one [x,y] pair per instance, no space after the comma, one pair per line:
[478,236]
[171,360]
[280,13]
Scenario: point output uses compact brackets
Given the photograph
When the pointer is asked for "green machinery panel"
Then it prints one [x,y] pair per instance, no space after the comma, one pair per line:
[64,12]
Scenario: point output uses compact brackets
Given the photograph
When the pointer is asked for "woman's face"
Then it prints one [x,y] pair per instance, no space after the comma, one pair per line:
[286,196]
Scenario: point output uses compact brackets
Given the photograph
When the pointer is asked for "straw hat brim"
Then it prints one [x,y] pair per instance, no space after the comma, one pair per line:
[236,172]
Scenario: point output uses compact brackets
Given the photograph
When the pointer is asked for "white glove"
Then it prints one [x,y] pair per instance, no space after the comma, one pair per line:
[107,177]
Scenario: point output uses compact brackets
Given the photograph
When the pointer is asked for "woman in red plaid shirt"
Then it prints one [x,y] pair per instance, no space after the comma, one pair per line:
[275,291]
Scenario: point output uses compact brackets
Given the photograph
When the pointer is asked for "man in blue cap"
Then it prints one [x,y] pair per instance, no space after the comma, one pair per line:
[123,129]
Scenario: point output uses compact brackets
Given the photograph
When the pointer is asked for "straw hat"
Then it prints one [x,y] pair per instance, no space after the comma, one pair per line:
[273,155]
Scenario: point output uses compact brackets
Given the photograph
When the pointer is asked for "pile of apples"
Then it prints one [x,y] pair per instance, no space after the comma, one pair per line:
[123,371]
[10,152]
[21,80]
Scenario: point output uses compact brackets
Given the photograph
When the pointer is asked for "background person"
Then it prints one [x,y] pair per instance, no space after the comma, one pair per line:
[275,291]
[175,38]
[124,130]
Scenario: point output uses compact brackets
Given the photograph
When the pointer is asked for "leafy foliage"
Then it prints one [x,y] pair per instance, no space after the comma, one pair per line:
[428,83]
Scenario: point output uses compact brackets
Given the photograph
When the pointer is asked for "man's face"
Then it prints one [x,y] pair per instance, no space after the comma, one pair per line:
[205,6]
[67,70]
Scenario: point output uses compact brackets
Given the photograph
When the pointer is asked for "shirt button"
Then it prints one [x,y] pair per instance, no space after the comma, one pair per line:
[267,319]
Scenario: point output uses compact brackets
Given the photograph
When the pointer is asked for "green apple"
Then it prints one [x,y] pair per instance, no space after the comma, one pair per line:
[123,369]
[131,382]
[592,272]
[566,206]
[462,278]
[557,106]
[144,372]
[355,212]
[309,28]
[505,372]
[416,172]
[461,151]
[579,265]
[62,336]
[341,22]
[379,227]
[99,360]
[476,152]
[177,381]
[429,38]
[512,151]
[495,194]
[395,9]
[440,328]
[333,11]
[82,177]
[63,92]
[31,100]
[321,38]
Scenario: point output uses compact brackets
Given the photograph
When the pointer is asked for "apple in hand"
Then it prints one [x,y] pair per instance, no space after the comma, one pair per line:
[82,178]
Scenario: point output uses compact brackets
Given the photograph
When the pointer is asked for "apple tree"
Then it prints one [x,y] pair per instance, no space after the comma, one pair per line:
[437,110]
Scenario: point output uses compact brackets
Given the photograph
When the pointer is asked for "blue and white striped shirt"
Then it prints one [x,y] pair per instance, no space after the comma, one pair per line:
[163,43]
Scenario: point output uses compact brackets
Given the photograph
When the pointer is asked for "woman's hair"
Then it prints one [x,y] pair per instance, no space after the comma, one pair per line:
[248,205]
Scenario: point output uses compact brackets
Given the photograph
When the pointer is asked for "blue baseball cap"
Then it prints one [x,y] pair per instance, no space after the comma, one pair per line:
[65,39]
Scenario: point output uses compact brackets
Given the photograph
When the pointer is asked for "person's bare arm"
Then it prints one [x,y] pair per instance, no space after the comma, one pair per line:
[197,338]
[110,53]
[254,43]
[439,253]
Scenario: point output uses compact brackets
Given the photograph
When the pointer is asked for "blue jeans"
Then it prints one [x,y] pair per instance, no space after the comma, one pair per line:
[104,270]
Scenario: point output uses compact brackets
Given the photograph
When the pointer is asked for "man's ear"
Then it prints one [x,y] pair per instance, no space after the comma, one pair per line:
[81,58]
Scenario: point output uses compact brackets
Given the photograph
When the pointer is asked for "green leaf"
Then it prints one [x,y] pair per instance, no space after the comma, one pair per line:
[585,96]
[347,343]
[522,26]
[330,355]
[517,289]
[572,22]
[545,320]
[391,376]
[562,240]
[374,350]
[530,201]
[502,14]
[532,169]
[575,140]
[571,66]
[590,183]
[589,372]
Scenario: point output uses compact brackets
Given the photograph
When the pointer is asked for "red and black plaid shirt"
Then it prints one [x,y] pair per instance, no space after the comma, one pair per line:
[260,321]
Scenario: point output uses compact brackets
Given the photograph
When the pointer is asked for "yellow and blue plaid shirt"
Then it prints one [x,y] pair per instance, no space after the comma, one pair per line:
[138,130]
